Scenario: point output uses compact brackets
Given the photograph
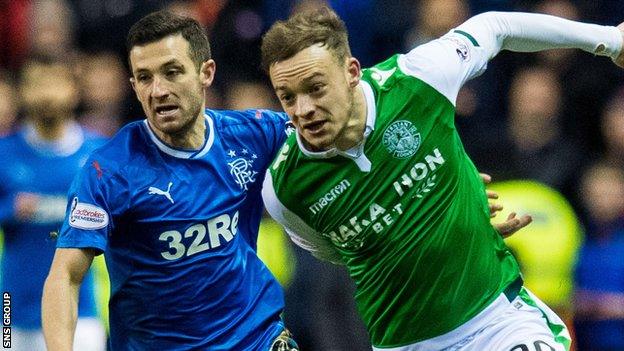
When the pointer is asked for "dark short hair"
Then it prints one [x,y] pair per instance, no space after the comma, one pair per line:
[160,24]
[302,30]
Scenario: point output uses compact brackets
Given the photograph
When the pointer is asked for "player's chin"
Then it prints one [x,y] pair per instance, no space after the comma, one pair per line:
[319,142]
[169,125]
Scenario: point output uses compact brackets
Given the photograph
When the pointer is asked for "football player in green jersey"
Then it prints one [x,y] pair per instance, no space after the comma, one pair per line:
[376,178]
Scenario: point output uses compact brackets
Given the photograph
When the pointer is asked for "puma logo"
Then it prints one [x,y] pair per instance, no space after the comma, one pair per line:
[155,191]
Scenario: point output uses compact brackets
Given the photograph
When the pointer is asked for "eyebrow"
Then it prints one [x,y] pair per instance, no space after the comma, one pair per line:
[305,80]
[168,63]
[314,75]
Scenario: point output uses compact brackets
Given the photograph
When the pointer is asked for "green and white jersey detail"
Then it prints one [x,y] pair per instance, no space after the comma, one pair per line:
[413,228]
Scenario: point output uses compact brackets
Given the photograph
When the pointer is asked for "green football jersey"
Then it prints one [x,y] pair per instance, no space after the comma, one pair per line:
[407,214]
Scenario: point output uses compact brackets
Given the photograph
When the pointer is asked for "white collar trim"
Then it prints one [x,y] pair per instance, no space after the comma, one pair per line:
[184,153]
[70,142]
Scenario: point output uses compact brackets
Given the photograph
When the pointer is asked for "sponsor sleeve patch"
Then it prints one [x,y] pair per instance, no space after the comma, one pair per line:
[87,216]
[462,48]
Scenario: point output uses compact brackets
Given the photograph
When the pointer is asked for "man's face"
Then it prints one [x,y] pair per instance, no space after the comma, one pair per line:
[168,84]
[316,91]
[48,91]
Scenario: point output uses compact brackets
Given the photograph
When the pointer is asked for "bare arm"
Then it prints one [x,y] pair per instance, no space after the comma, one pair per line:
[59,308]
[463,53]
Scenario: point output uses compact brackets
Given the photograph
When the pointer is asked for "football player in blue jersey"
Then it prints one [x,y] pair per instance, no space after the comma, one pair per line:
[174,204]
[32,202]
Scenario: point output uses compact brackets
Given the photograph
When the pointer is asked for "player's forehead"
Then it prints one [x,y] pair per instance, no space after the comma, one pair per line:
[172,49]
[312,63]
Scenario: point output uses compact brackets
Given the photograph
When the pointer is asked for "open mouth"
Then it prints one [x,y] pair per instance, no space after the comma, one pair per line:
[314,127]
[166,110]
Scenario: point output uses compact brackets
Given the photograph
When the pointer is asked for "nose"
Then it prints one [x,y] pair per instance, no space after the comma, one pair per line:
[304,107]
[159,89]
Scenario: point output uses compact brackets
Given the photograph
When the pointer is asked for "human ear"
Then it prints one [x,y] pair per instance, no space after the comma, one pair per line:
[207,72]
[133,84]
[354,71]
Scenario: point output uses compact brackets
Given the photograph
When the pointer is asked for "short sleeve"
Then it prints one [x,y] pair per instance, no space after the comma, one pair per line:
[276,130]
[89,216]
[447,63]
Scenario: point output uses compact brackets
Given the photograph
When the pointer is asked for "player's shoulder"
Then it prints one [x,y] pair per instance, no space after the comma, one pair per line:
[10,141]
[122,148]
[249,119]
[386,74]
[93,136]
[288,156]
[93,140]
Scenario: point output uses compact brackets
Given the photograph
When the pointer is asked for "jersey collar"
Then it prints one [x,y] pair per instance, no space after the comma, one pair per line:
[358,150]
[181,153]
[70,142]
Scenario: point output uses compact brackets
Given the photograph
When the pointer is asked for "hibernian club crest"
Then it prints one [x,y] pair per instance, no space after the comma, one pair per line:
[401,139]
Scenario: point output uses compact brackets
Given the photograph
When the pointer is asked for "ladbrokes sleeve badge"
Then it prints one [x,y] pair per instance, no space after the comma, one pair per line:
[87,216]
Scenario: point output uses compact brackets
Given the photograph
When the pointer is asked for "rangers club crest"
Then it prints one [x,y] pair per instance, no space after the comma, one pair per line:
[401,139]
[241,167]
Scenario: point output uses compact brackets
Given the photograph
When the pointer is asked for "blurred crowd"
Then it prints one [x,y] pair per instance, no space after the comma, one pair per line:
[548,127]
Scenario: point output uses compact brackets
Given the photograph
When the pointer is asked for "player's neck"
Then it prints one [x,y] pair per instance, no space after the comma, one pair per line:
[50,129]
[354,131]
[190,138]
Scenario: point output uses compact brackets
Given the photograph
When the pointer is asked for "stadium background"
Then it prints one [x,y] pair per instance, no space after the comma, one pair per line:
[548,127]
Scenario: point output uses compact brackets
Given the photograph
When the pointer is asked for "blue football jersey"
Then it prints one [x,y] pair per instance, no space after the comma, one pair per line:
[178,229]
[46,170]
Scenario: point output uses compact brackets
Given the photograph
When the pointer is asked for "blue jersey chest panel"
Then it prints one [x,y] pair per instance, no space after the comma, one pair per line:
[180,234]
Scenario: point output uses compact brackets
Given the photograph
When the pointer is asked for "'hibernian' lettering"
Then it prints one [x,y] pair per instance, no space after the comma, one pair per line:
[419,171]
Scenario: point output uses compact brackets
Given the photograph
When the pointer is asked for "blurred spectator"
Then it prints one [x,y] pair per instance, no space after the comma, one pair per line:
[8,104]
[612,127]
[546,249]
[102,25]
[103,90]
[540,151]
[14,33]
[51,29]
[434,18]
[585,89]
[559,59]
[599,318]
[235,43]
[362,32]
[38,165]
[241,95]
[206,12]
